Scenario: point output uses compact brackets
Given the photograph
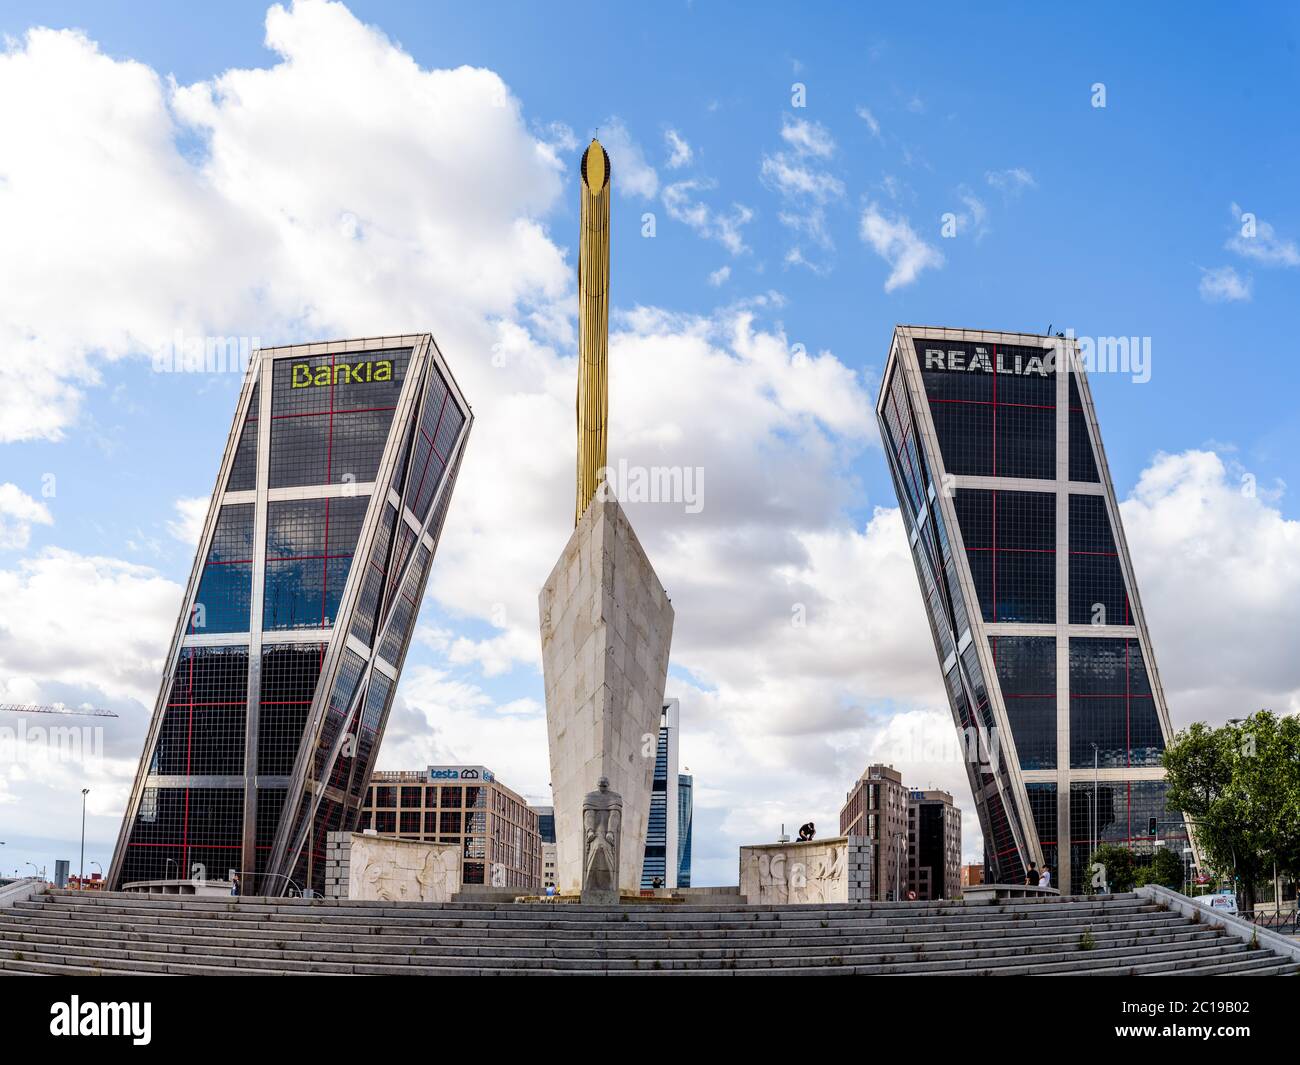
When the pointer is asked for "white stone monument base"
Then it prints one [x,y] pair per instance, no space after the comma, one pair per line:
[382,869]
[607,627]
[836,869]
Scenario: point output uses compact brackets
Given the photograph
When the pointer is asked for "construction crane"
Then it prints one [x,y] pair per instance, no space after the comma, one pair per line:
[57,708]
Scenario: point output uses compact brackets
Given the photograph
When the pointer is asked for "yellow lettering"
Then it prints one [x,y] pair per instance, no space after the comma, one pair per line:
[304,376]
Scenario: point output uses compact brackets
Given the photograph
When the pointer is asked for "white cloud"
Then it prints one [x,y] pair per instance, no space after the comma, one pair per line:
[18,513]
[1012,182]
[726,228]
[1231,653]
[790,177]
[679,151]
[895,241]
[631,174]
[975,218]
[720,276]
[807,138]
[1224,285]
[187,526]
[438,720]
[1263,244]
[795,257]
[61,621]
[433,180]
[865,114]
[810,223]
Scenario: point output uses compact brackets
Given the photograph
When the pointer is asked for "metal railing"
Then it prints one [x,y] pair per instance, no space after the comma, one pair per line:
[1284,923]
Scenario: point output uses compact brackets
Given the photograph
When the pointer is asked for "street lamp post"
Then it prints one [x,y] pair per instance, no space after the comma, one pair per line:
[81,876]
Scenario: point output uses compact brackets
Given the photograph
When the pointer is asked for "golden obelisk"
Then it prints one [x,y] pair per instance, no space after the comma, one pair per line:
[606,621]
[593,323]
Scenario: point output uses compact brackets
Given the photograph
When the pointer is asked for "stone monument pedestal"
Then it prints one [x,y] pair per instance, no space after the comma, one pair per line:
[606,630]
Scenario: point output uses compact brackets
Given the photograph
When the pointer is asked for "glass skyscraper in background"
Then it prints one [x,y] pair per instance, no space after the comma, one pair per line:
[668,829]
[996,457]
[318,541]
[685,815]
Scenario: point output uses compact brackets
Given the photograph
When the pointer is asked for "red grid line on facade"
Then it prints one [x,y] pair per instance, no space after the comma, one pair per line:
[990,403]
[329,440]
[433,449]
[305,558]
[189,755]
[1081,695]
[324,413]
[325,570]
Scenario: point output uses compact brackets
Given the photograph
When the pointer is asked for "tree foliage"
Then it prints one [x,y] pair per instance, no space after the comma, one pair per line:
[1117,872]
[1165,869]
[1239,786]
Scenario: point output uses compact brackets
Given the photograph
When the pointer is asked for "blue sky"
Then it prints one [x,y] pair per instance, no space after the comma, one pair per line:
[1121,220]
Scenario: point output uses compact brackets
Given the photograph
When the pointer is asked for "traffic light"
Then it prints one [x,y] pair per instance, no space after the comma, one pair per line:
[1151,827]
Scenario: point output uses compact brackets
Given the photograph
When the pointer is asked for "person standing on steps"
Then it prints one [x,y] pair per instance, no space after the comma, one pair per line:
[1031,876]
[1046,879]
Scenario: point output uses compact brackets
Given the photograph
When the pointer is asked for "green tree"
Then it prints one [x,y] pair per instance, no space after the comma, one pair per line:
[1165,869]
[1117,872]
[1239,786]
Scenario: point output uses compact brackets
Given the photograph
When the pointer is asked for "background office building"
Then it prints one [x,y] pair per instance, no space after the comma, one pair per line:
[933,845]
[546,833]
[668,828]
[685,817]
[876,807]
[329,503]
[464,804]
[996,457]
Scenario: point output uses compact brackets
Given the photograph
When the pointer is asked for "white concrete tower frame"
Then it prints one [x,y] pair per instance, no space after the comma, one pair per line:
[425,358]
[904,359]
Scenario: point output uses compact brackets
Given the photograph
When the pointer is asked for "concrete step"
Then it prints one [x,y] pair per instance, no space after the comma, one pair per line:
[101,954]
[292,923]
[59,933]
[45,930]
[568,911]
[551,919]
[321,938]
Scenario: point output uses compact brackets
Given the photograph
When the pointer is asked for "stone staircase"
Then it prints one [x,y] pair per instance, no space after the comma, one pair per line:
[63,932]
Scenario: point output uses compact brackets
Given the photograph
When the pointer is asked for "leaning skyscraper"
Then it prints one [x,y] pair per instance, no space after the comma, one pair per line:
[318,541]
[996,457]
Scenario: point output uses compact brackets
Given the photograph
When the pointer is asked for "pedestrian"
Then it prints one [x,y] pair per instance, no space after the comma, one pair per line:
[234,885]
[1046,879]
[1031,877]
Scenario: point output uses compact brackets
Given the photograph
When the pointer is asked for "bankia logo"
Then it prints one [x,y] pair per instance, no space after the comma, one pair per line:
[370,371]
